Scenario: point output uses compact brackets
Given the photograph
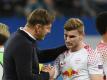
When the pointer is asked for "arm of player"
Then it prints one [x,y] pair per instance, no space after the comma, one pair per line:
[95,66]
[96,77]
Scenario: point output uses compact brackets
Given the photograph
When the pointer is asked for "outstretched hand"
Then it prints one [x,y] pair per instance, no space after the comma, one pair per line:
[50,69]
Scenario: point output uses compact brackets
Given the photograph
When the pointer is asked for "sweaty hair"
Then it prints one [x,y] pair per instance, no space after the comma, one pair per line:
[74,24]
[101,23]
[4,33]
[39,16]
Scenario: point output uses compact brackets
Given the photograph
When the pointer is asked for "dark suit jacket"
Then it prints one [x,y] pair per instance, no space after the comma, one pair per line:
[21,58]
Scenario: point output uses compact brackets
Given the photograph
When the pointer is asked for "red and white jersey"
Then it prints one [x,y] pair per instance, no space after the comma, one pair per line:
[102,49]
[78,65]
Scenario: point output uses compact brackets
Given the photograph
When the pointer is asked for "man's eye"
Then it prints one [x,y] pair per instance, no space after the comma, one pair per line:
[65,35]
[72,36]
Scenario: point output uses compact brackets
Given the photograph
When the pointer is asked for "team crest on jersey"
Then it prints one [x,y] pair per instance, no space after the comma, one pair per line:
[62,63]
[69,72]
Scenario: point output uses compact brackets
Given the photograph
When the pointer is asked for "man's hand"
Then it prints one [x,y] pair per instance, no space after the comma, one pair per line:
[50,69]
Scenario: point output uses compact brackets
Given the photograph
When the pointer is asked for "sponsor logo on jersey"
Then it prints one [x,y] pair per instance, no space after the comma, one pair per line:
[69,72]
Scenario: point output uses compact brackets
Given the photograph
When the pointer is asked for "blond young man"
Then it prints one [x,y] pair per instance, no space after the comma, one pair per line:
[79,62]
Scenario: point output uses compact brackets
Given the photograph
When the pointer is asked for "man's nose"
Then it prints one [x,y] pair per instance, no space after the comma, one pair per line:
[67,39]
[49,31]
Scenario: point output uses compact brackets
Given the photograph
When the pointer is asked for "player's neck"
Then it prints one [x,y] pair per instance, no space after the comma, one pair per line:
[80,46]
[104,38]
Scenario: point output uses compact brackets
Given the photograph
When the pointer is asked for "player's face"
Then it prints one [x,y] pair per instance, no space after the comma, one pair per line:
[72,39]
[43,31]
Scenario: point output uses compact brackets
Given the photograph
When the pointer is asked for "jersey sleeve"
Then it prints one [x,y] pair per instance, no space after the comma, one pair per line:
[102,50]
[95,64]
[57,65]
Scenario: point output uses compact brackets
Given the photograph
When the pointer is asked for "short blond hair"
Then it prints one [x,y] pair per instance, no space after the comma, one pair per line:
[4,30]
[74,24]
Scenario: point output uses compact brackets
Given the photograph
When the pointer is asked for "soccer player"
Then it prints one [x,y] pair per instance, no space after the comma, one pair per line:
[4,34]
[101,25]
[79,62]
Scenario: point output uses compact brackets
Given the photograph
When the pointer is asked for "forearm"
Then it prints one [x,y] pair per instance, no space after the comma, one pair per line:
[96,77]
[50,54]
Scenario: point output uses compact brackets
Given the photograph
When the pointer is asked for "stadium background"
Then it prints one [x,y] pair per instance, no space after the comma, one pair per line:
[14,12]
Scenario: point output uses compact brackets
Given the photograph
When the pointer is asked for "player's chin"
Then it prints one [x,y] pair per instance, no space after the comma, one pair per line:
[69,46]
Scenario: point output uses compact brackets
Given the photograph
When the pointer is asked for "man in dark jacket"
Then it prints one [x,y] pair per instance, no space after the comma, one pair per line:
[21,56]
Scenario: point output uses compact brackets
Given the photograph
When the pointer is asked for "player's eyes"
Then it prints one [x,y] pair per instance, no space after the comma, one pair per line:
[71,36]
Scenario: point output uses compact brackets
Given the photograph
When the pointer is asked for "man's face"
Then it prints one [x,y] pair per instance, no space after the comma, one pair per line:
[43,31]
[72,39]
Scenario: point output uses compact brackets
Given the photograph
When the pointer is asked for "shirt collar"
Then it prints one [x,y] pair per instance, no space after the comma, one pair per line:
[21,28]
[1,49]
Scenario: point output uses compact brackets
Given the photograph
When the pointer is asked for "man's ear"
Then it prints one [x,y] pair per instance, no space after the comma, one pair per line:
[37,28]
[82,37]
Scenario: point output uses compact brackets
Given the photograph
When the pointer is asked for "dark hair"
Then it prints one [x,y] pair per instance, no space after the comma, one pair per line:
[101,23]
[74,24]
[39,16]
